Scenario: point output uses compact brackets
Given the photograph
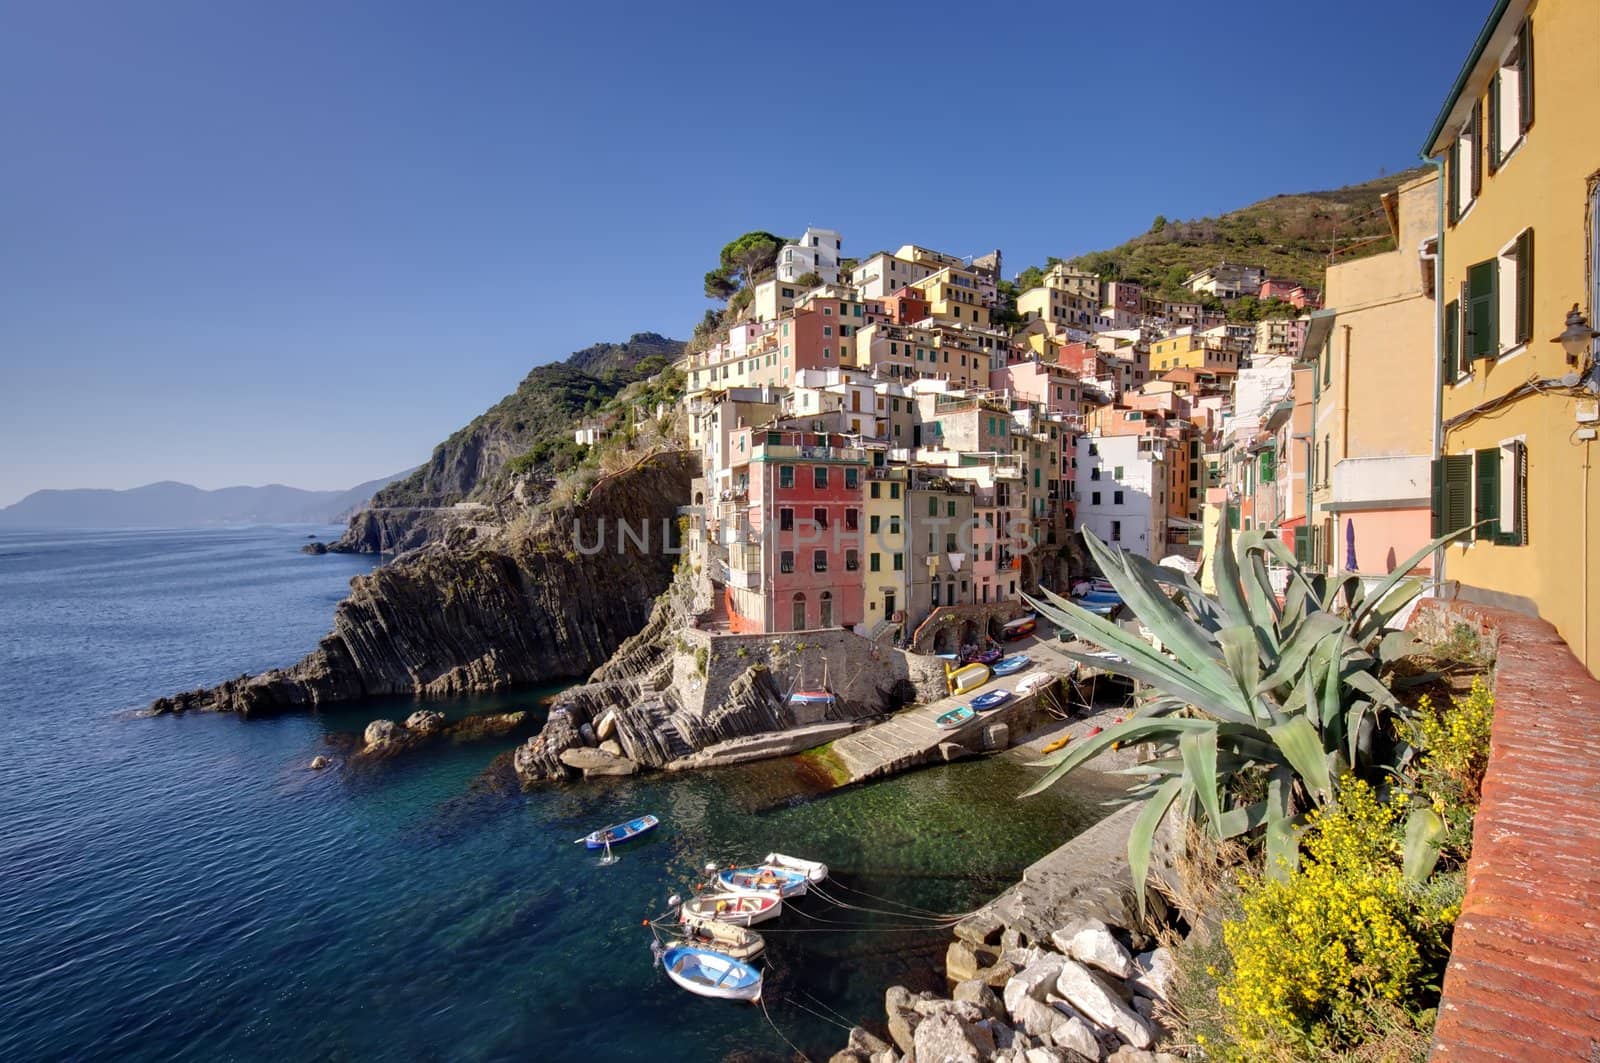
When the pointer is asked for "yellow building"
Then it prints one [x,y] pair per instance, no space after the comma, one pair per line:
[1060,306]
[954,297]
[1187,349]
[1521,163]
[885,547]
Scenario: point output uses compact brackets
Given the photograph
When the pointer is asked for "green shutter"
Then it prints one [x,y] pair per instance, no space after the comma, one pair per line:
[1233,516]
[1436,482]
[1525,287]
[1452,341]
[1477,148]
[1457,491]
[1452,170]
[1526,65]
[1483,308]
[1486,508]
[1514,525]
[1269,461]
[1494,123]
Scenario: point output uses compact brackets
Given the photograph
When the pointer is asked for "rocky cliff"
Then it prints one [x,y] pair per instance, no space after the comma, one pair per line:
[514,607]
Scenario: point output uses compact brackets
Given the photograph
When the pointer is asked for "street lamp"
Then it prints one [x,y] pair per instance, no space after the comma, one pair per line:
[1576,337]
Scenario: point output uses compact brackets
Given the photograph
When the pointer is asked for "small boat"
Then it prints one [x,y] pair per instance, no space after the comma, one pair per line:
[621,832]
[815,870]
[812,697]
[1034,683]
[1051,747]
[740,909]
[968,677]
[711,974]
[1013,664]
[955,717]
[740,942]
[763,879]
[992,700]
[985,656]
[1021,627]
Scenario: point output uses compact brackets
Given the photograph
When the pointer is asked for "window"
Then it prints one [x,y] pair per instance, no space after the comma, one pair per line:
[852,520]
[1117,473]
[949,509]
[819,560]
[827,330]
[933,507]
[1094,473]
[852,478]
[785,475]
[1116,498]
[1466,175]
[949,542]
[872,523]
[894,525]
[1094,498]
[819,477]
[819,517]
[899,562]
[1452,493]
[852,560]
[1515,283]
[874,561]
[1511,99]
[786,561]
[1116,531]
[786,520]
[1480,305]
[874,493]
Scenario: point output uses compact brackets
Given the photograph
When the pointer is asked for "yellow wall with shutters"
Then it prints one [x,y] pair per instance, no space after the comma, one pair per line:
[1543,184]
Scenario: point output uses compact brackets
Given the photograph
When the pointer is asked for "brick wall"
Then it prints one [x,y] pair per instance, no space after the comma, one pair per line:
[1524,975]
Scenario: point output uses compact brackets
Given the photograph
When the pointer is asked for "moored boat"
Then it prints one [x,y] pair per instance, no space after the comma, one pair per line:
[991,700]
[620,832]
[1013,664]
[763,879]
[815,870]
[739,909]
[711,974]
[740,942]
[955,717]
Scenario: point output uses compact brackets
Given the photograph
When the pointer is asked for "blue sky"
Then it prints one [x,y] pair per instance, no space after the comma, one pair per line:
[302,242]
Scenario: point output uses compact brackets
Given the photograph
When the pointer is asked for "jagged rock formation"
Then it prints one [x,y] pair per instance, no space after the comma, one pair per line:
[514,608]
[384,738]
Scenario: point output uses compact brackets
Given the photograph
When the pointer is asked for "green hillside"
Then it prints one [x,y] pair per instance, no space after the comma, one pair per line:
[1291,235]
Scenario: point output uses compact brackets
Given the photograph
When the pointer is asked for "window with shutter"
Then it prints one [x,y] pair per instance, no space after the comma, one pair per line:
[1482,322]
[1476,122]
[1452,340]
[1494,124]
[1452,493]
[1524,326]
[1453,179]
[1486,496]
[1513,500]
[1525,76]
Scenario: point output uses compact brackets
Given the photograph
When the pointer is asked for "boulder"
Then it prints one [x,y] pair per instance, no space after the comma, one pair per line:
[1012,938]
[1102,1003]
[997,974]
[1044,1055]
[976,991]
[425,722]
[319,762]
[1128,1054]
[963,960]
[606,726]
[847,1055]
[949,751]
[1034,1018]
[866,1042]
[1033,981]
[903,1023]
[611,746]
[888,1055]
[964,1010]
[1090,941]
[946,1038]
[1003,1034]
[1153,973]
[983,927]
[593,762]
[996,736]
[380,733]
[1077,1037]
[897,996]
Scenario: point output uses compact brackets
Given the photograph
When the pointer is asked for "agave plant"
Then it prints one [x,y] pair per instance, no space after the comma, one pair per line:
[1244,688]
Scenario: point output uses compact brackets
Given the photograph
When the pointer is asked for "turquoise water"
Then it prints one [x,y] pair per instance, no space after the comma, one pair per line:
[184,888]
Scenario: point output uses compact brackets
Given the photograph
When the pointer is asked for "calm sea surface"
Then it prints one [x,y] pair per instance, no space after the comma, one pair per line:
[184,888]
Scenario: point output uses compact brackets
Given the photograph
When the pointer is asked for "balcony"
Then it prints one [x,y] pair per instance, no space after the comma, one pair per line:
[782,452]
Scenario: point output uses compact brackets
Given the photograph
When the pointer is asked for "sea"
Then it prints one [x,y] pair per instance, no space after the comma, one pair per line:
[187,888]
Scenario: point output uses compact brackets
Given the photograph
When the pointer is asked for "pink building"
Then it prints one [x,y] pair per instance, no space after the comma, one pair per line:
[1051,384]
[1291,292]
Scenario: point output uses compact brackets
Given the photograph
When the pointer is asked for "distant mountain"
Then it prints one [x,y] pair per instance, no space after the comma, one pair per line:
[174,505]
[1291,235]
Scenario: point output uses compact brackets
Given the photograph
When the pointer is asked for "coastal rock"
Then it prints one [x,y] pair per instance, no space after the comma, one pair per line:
[315,549]
[903,1023]
[997,975]
[847,1055]
[944,1037]
[897,996]
[611,746]
[380,733]
[1129,1054]
[1102,1003]
[1044,1055]
[1077,1038]
[1090,941]
[983,927]
[594,762]
[425,722]
[963,960]
[1035,1018]
[606,726]
[319,762]
[975,991]
[1153,973]
[964,1010]
[1034,981]
[866,1042]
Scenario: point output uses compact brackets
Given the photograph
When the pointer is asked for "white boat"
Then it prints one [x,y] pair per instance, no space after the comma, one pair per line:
[763,879]
[740,942]
[739,909]
[711,974]
[1036,682]
[815,870]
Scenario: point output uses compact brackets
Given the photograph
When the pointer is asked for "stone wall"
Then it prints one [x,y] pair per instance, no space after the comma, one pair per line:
[1524,974]
[943,630]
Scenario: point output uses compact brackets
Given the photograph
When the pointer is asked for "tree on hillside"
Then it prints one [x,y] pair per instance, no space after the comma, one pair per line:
[1032,277]
[1159,224]
[719,285]
[807,280]
[747,256]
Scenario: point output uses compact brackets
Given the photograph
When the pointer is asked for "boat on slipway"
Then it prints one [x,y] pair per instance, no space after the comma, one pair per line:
[1013,664]
[954,718]
[990,701]
[739,909]
[967,678]
[712,974]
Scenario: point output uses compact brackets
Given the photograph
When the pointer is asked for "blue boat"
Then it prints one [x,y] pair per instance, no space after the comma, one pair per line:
[992,700]
[711,974]
[955,717]
[764,879]
[1013,664]
[619,833]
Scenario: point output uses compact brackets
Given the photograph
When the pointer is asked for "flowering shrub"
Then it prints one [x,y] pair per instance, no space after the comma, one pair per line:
[1313,953]
[1452,754]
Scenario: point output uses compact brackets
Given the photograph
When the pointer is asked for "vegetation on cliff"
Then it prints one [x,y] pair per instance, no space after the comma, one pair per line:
[533,425]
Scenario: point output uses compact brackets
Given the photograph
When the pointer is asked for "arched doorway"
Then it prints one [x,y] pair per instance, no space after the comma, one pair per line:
[969,633]
[826,607]
[942,640]
[798,619]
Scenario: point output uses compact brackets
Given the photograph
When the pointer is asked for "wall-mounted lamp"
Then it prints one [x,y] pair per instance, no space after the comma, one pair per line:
[1576,337]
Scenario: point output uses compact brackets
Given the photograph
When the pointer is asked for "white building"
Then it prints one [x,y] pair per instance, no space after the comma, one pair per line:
[1120,483]
[817,252]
